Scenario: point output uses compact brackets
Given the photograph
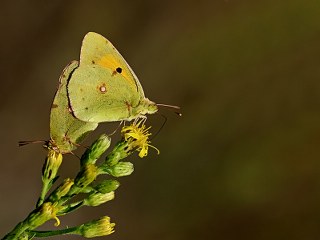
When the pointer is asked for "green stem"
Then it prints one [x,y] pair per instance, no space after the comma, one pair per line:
[40,234]
[45,188]
[17,231]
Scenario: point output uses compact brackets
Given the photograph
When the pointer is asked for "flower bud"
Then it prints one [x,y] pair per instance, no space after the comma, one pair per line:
[86,175]
[97,228]
[39,216]
[96,150]
[62,190]
[121,169]
[120,151]
[96,199]
[107,186]
[51,165]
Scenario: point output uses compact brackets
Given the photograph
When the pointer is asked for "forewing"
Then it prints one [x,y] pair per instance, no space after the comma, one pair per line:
[96,94]
[97,50]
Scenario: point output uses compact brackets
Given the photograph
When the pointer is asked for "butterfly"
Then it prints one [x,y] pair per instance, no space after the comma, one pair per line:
[103,88]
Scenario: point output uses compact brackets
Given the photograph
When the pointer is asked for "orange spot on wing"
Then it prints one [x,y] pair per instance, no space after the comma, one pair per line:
[109,61]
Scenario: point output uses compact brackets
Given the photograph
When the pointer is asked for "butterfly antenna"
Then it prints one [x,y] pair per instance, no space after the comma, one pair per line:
[78,145]
[116,130]
[172,107]
[159,130]
[72,153]
[23,143]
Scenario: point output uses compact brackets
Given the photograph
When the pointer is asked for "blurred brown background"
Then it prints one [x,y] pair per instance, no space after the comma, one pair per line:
[244,160]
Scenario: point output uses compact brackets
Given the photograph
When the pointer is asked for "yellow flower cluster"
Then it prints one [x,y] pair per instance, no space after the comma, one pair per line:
[140,136]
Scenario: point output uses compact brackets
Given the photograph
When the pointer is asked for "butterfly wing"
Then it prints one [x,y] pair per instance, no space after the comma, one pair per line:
[97,96]
[103,88]
[97,50]
[65,130]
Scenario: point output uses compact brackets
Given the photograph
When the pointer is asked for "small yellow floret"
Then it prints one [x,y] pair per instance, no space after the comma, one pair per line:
[140,135]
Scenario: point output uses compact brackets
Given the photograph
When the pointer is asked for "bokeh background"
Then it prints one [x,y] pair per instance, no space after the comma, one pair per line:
[242,162]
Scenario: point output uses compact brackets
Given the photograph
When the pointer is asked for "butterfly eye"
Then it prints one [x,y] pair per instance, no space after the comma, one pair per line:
[119,70]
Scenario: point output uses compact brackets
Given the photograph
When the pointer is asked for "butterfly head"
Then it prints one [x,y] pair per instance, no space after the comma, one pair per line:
[145,107]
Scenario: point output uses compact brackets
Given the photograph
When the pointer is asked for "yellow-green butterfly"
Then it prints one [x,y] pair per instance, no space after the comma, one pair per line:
[66,131]
[104,88]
